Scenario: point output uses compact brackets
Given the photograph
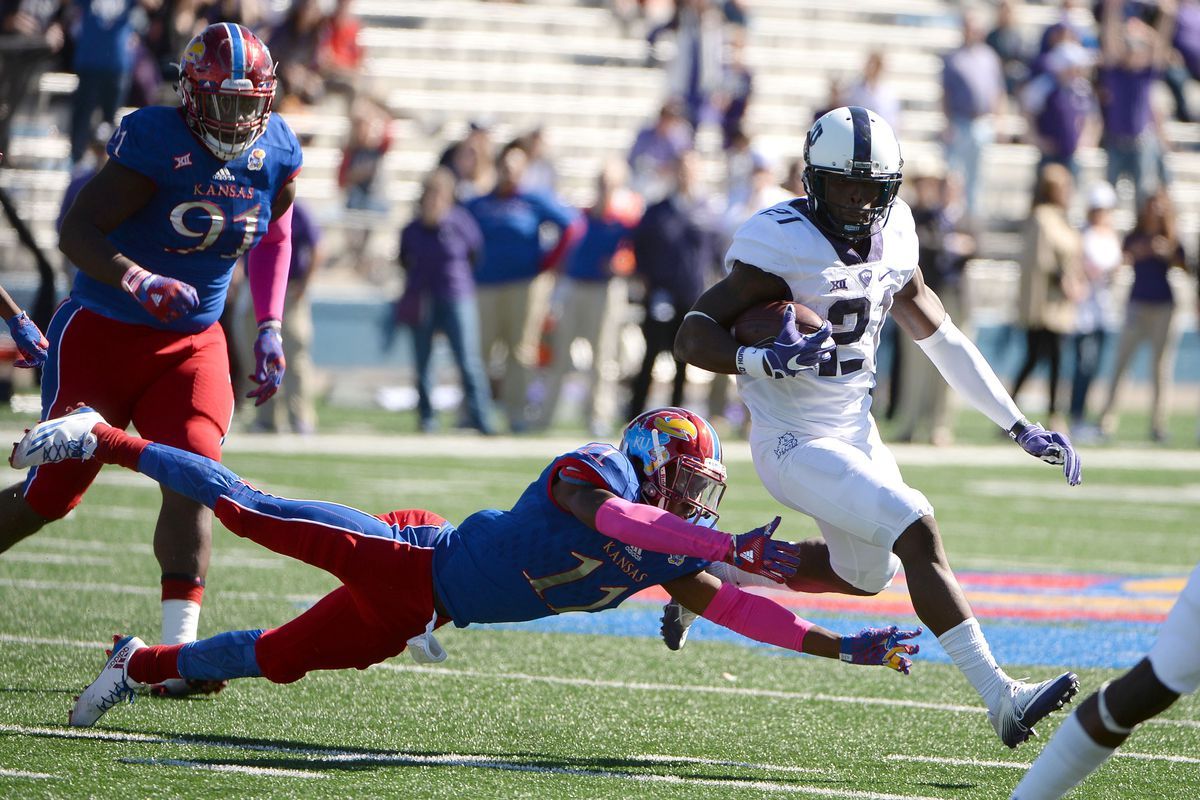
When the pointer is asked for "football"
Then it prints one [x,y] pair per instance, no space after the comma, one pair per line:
[759,325]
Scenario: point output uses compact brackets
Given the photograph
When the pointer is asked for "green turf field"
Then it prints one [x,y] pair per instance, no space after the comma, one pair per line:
[531,714]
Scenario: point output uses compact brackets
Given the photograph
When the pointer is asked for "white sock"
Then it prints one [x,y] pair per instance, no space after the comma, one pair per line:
[1069,757]
[180,621]
[969,651]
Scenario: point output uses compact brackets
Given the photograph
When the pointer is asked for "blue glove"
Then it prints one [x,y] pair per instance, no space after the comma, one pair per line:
[756,552]
[1053,448]
[880,647]
[793,352]
[29,340]
[167,299]
[269,363]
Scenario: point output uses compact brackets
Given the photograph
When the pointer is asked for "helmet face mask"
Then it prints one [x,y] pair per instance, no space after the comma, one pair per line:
[853,172]
[678,458]
[227,85]
[690,488]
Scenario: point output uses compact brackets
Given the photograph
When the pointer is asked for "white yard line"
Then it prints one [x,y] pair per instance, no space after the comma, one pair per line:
[374,445]
[725,690]
[317,757]
[70,559]
[971,762]
[115,588]
[10,639]
[20,773]
[270,772]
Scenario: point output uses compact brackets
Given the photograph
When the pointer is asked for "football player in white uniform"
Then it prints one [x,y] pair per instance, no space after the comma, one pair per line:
[1103,721]
[849,251]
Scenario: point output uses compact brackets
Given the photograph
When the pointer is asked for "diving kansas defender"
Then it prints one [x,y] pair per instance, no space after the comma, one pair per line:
[186,193]
[598,524]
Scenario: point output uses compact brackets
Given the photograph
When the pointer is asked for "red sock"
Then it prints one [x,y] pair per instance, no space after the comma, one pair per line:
[183,587]
[115,446]
[155,664]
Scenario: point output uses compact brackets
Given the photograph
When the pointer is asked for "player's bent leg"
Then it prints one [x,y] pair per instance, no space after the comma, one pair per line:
[1014,707]
[936,595]
[1130,700]
[816,573]
[333,634]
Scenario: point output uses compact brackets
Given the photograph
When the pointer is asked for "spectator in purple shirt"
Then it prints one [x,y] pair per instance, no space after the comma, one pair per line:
[1153,249]
[656,150]
[1187,36]
[437,251]
[1062,104]
[1134,56]
[973,92]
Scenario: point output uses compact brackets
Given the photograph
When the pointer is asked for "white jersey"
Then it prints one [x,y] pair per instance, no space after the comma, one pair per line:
[853,293]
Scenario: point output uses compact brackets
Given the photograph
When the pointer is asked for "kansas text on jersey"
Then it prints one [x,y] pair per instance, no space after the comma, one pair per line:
[205,214]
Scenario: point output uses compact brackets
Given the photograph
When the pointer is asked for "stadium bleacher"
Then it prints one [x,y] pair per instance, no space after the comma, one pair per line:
[571,68]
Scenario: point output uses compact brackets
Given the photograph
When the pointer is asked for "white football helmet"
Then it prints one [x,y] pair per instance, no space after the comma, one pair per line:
[852,143]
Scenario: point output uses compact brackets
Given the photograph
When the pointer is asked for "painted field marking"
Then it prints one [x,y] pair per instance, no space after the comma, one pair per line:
[20,773]
[970,762]
[123,589]
[450,760]
[777,694]
[272,772]
[59,558]
[7,638]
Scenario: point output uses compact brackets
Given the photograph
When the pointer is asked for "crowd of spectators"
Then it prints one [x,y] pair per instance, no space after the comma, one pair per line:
[124,52]
[519,281]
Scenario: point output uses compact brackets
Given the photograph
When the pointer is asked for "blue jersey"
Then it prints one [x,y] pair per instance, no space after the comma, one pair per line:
[204,216]
[538,559]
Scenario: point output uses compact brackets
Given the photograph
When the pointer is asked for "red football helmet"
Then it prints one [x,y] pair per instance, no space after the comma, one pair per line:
[678,458]
[227,83]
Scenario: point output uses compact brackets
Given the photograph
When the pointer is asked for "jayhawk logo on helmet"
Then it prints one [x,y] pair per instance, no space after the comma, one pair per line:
[678,455]
[227,85]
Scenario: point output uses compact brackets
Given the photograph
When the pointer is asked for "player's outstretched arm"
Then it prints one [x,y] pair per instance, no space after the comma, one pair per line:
[112,196]
[763,620]
[29,339]
[918,310]
[661,531]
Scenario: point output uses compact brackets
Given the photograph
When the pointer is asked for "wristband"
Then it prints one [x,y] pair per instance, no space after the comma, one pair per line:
[1106,717]
[752,361]
[700,314]
[1018,428]
[270,324]
[133,278]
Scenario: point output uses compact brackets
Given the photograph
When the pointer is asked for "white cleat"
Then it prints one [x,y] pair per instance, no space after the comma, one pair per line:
[57,440]
[112,686]
[676,622]
[1026,704]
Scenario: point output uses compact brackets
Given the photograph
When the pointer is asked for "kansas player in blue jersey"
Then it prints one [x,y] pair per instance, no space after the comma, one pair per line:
[156,234]
[599,524]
